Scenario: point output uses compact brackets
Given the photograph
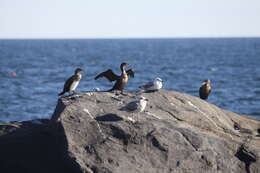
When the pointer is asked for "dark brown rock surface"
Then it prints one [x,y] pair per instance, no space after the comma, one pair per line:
[91,133]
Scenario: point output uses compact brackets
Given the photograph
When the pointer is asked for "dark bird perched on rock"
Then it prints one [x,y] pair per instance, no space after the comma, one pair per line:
[205,89]
[121,80]
[72,83]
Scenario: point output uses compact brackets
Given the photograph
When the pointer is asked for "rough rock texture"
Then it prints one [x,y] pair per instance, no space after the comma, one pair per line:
[89,132]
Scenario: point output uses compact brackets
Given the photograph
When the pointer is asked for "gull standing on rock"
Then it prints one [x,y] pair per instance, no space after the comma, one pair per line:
[72,83]
[205,89]
[137,106]
[155,85]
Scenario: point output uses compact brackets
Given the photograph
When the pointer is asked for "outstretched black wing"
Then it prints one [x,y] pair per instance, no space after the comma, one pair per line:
[130,73]
[109,74]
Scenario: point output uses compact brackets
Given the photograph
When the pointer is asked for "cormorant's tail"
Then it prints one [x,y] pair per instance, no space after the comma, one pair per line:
[112,89]
[61,93]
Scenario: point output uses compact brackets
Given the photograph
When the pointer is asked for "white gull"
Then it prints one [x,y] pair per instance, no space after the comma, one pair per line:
[155,85]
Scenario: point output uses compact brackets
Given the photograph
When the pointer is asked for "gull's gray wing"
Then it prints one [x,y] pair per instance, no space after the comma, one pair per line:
[133,105]
[147,85]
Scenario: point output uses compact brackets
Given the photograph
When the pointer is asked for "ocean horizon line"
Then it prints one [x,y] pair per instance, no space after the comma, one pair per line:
[128,38]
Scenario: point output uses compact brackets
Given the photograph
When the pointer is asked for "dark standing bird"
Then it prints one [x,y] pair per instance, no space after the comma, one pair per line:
[121,80]
[205,89]
[72,83]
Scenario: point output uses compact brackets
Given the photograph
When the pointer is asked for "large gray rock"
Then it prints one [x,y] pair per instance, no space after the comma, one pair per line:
[90,132]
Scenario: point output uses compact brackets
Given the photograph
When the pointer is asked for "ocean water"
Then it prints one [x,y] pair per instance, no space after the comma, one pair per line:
[42,66]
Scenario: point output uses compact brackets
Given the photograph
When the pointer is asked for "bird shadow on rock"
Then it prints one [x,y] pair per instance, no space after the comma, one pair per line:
[246,156]
[73,96]
[258,131]
[109,117]
[151,91]
[35,148]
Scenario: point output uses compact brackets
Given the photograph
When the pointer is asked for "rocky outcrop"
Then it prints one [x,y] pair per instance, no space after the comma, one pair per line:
[90,132]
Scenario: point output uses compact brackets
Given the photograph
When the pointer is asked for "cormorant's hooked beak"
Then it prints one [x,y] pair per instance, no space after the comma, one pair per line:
[78,70]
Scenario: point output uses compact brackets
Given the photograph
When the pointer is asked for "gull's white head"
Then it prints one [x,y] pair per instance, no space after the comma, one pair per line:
[142,98]
[142,103]
[158,79]
[158,83]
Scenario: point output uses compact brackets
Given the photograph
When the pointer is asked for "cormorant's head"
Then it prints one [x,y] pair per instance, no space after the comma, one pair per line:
[78,70]
[206,82]
[123,65]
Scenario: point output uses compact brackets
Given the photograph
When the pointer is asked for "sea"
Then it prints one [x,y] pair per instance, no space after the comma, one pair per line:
[32,72]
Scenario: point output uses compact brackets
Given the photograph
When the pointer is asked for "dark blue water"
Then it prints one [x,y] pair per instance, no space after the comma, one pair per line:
[41,66]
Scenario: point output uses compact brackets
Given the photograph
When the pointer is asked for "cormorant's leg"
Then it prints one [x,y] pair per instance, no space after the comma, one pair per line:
[115,92]
[122,92]
[71,93]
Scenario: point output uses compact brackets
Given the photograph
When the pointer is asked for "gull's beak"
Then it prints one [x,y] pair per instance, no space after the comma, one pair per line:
[146,99]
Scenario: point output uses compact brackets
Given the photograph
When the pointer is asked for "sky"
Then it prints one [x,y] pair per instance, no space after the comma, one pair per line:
[129,18]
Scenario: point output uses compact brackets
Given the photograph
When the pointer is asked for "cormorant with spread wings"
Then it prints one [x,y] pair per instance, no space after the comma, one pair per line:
[121,80]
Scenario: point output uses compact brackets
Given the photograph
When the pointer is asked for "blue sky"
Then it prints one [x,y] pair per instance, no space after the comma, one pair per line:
[129,18]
